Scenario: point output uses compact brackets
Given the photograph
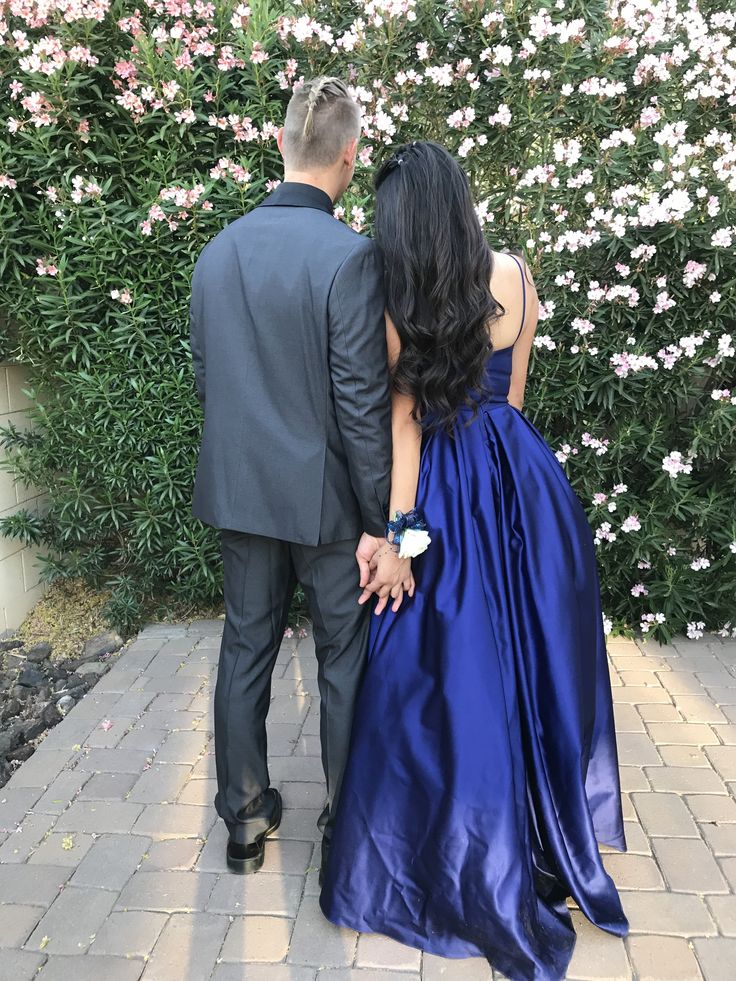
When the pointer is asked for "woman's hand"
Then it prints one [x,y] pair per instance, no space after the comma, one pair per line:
[391,578]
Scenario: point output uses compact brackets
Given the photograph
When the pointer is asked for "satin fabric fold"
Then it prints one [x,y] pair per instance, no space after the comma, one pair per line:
[483,769]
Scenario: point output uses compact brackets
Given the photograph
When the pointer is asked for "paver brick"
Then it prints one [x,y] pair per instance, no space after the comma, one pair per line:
[109,736]
[31,884]
[720,837]
[111,861]
[187,948]
[698,708]
[175,821]
[688,865]
[293,709]
[160,783]
[91,969]
[315,941]
[637,749]
[663,959]
[61,792]
[377,951]
[41,769]
[114,760]
[199,792]
[631,871]
[658,712]
[24,841]
[99,816]
[169,721]
[183,747]
[278,972]
[72,921]
[287,857]
[682,733]
[597,956]
[18,923]
[148,740]
[257,938]
[169,701]
[63,849]
[106,786]
[723,911]
[716,956]
[683,756]
[298,794]
[262,894]
[712,808]
[299,769]
[169,892]
[19,965]
[664,814]
[300,825]
[173,854]
[128,933]
[723,759]
[673,914]
[441,969]
[685,780]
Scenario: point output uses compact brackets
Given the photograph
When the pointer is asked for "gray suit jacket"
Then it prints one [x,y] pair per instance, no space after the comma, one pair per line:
[289,351]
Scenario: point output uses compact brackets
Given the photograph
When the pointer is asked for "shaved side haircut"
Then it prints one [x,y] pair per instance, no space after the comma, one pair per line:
[321,118]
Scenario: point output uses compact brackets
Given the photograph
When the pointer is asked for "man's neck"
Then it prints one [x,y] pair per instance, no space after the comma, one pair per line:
[321,181]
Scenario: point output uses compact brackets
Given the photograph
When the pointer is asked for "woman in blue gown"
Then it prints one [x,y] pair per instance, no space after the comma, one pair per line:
[483,771]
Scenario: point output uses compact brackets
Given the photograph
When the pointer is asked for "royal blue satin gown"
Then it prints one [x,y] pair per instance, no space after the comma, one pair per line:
[483,769]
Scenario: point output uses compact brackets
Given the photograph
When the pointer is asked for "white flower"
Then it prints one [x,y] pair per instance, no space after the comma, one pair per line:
[695,630]
[414,541]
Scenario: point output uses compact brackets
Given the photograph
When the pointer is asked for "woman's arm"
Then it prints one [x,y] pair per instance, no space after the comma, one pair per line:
[523,345]
[407,437]
[407,443]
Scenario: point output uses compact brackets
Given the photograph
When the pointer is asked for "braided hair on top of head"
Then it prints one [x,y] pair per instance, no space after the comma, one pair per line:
[313,96]
[438,268]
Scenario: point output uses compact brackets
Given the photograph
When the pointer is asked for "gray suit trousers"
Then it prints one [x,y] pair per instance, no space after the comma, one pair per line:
[260,578]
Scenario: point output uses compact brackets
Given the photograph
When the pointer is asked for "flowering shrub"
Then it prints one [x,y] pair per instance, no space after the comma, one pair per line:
[597,135]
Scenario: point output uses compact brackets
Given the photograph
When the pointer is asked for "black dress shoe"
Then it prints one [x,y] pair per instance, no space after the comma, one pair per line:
[245,859]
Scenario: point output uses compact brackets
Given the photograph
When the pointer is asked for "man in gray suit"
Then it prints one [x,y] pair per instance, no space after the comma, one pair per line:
[289,350]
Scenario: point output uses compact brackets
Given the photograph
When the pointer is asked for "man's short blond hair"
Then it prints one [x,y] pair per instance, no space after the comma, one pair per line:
[321,118]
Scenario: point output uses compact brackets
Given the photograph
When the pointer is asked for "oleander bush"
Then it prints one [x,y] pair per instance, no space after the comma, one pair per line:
[598,137]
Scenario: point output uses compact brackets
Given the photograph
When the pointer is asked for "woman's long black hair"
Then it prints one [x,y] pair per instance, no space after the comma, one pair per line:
[438,269]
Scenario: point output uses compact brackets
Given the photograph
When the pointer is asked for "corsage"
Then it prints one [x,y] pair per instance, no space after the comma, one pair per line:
[409,533]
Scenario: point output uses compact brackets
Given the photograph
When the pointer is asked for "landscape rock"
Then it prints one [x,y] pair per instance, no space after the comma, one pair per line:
[30,676]
[97,668]
[105,643]
[51,714]
[11,709]
[65,703]
[10,644]
[39,652]
[30,728]
[22,753]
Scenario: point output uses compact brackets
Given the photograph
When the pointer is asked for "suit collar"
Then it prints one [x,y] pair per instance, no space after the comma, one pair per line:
[291,194]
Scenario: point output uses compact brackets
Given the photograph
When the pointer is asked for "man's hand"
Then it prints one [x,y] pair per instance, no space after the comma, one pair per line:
[391,578]
[366,550]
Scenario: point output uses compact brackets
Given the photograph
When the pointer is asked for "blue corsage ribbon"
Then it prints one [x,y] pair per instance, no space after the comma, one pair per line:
[412,520]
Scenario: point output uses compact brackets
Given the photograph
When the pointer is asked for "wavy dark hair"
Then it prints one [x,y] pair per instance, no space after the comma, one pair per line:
[437,271]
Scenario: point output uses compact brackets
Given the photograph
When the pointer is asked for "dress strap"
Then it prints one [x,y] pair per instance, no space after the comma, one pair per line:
[523,295]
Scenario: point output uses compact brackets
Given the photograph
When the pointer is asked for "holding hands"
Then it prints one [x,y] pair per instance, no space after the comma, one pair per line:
[383,573]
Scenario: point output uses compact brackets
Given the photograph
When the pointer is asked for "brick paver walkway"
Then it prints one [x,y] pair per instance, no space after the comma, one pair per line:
[116,869]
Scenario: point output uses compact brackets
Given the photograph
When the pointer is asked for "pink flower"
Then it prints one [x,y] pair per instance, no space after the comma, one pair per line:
[258,54]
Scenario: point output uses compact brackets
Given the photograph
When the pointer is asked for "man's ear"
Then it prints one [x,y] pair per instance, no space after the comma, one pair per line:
[280,140]
[351,150]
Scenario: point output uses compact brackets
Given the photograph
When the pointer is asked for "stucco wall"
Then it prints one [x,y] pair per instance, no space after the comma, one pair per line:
[19,584]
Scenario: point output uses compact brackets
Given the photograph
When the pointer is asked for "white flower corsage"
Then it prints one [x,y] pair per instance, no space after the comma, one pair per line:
[414,541]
